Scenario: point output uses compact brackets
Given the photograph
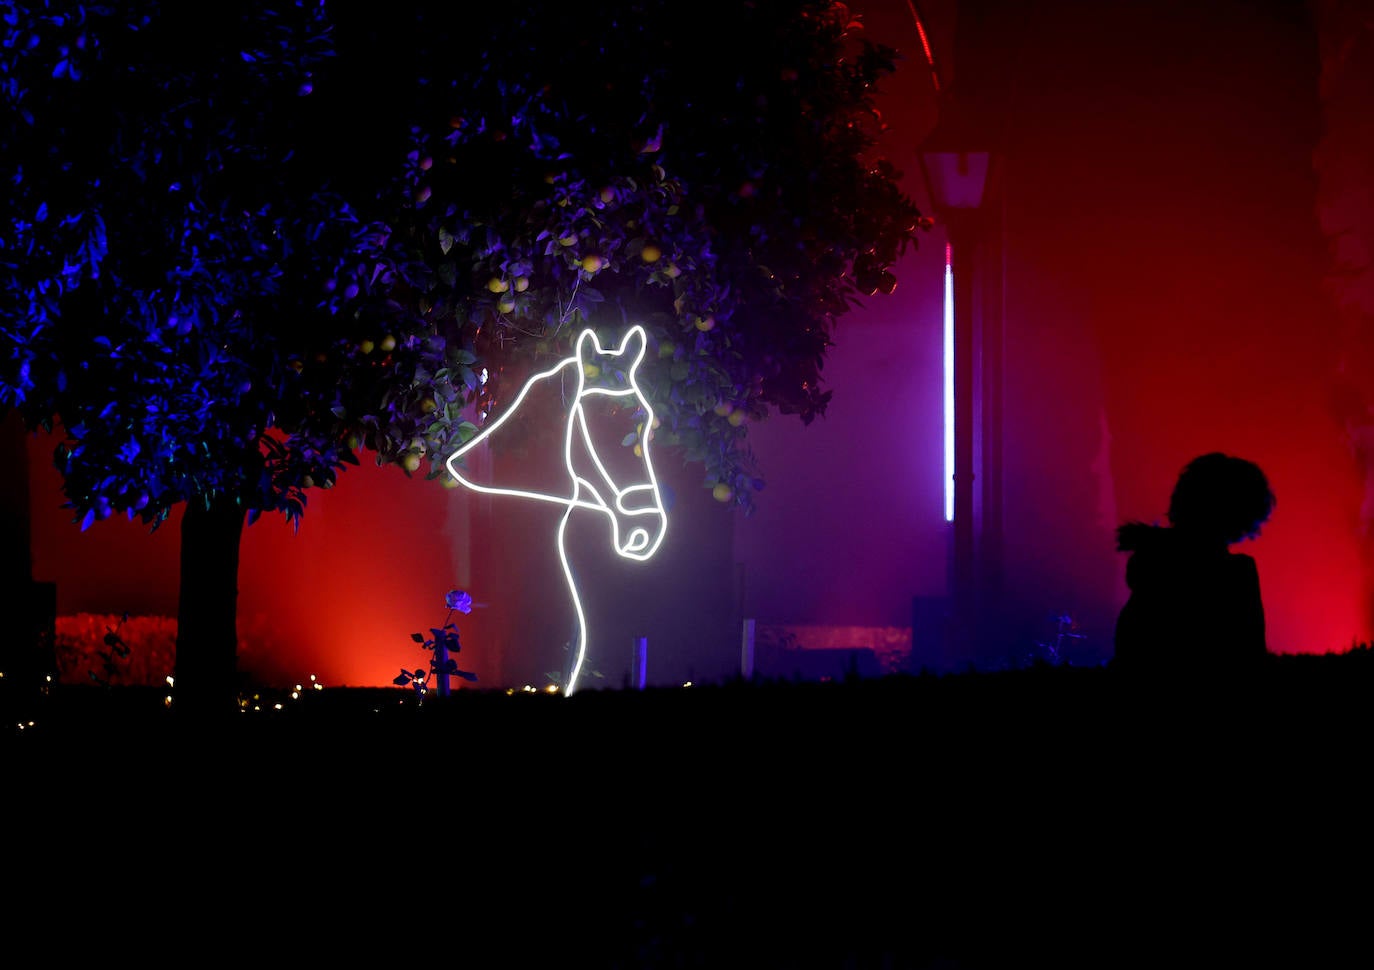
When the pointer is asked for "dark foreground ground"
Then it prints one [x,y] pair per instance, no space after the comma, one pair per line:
[1036,818]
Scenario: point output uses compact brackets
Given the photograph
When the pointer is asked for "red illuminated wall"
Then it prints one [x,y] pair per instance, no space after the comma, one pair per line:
[1169,288]
[1166,296]
[371,564]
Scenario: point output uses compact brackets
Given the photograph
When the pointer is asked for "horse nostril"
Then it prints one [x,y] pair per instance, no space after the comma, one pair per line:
[639,539]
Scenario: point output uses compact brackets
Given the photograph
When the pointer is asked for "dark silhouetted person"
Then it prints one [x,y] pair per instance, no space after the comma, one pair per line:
[1194,605]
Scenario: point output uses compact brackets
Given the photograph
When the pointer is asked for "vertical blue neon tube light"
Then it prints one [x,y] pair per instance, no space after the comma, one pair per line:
[949,383]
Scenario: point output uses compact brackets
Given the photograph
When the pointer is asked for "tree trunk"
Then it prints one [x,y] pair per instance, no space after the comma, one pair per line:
[206,681]
[29,609]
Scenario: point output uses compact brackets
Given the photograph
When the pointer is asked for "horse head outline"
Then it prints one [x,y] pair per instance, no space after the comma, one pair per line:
[634,511]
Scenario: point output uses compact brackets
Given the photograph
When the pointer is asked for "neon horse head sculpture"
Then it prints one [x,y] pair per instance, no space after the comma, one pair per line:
[634,510]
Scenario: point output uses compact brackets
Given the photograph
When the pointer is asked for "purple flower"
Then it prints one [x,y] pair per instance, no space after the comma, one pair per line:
[458,600]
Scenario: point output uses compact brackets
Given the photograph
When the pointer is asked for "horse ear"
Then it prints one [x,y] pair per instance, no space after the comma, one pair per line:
[634,343]
[587,345]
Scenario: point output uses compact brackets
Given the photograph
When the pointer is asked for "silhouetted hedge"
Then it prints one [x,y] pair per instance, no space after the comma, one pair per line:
[1046,816]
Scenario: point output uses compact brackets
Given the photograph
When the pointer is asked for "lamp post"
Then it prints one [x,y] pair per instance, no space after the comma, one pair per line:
[956,176]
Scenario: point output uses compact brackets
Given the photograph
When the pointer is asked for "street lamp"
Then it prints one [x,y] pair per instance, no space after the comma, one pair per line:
[956,176]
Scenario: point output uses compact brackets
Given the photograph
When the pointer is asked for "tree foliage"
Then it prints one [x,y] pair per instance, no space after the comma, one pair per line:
[156,254]
[243,243]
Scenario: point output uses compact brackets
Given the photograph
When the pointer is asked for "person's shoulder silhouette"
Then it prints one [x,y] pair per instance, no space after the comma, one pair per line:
[1195,605]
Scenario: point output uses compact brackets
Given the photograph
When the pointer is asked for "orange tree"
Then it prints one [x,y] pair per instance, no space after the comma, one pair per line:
[710,173]
[240,246]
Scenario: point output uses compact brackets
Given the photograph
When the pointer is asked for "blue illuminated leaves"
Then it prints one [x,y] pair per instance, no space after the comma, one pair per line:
[205,255]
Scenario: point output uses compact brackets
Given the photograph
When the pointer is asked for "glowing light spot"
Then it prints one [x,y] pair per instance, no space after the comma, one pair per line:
[637,508]
[949,383]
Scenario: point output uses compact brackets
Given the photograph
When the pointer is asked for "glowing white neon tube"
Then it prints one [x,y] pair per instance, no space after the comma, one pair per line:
[949,383]
[638,507]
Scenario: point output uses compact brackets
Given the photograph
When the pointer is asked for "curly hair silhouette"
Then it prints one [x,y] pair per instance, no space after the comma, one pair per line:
[1194,604]
[1223,496]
